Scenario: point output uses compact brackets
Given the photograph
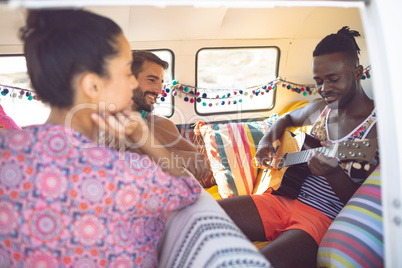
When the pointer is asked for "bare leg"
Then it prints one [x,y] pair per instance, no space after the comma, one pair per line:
[293,248]
[242,210]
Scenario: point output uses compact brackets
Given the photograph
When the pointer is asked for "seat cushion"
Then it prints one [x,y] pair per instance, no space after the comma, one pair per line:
[203,235]
[231,149]
[355,238]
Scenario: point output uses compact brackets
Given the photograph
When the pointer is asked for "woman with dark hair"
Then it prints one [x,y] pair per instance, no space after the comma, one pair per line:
[64,199]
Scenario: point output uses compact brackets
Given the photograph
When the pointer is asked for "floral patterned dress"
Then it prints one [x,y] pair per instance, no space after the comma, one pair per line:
[6,121]
[67,202]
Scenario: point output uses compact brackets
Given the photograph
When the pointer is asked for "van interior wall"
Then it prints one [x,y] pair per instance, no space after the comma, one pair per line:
[295,64]
[294,30]
[185,30]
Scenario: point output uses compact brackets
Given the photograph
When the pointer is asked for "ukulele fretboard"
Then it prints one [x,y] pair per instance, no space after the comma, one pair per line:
[302,156]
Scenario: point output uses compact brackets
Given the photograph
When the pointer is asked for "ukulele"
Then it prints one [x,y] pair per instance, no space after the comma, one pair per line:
[290,167]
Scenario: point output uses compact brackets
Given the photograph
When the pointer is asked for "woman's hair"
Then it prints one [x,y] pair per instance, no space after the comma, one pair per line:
[61,44]
[141,56]
[343,41]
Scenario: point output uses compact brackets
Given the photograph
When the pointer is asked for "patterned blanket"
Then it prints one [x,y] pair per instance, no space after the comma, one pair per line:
[202,235]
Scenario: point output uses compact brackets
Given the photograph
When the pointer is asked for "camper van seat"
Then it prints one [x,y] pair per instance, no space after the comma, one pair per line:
[355,238]
[230,149]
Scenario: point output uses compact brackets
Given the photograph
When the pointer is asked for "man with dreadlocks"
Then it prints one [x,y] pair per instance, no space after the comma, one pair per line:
[345,112]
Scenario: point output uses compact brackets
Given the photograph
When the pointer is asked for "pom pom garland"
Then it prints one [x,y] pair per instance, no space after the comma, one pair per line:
[194,94]
[16,92]
[366,73]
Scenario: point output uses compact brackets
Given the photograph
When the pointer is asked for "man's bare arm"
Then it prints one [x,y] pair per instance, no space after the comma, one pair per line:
[185,152]
[297,118]
[167,133]
[307,115]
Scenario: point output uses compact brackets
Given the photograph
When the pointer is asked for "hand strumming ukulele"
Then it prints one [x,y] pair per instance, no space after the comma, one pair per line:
[290,167]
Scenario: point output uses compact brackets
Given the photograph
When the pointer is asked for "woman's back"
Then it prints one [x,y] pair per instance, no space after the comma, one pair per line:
[66,201]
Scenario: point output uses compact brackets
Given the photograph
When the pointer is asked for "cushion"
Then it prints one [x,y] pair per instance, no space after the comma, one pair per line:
[203,235]
[230,149]
[293,106]
[214,192]
[355,238]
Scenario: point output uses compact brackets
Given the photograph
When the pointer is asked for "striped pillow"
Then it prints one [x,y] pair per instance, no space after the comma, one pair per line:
[355,238]
[231,149]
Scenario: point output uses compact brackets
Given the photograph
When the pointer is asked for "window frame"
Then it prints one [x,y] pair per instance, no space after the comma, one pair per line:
[29,88]
[237,47]
[172,67]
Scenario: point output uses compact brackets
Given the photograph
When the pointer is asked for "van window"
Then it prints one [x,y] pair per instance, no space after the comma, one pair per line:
[17,98]
[236,79]
[164,105]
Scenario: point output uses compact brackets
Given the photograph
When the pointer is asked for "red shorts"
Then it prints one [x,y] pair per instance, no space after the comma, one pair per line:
[279,214]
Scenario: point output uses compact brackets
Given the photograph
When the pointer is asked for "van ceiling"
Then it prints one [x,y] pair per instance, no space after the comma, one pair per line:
[149,23]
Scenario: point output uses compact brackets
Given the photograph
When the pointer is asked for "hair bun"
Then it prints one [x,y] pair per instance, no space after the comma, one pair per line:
[345,31]
[44,19]
[36,19]
[350,33]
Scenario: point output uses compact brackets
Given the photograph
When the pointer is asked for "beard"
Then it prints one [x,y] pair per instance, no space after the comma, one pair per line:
[140,101]
[349,96]
[345,99]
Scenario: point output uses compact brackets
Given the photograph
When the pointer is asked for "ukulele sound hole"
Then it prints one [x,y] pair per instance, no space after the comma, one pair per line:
[282,162]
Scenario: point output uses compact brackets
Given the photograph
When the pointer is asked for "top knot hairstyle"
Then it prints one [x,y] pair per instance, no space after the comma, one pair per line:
[59,44]
[343,41]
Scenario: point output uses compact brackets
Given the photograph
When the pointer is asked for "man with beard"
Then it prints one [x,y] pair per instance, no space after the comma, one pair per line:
[345,112]
[149,71]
